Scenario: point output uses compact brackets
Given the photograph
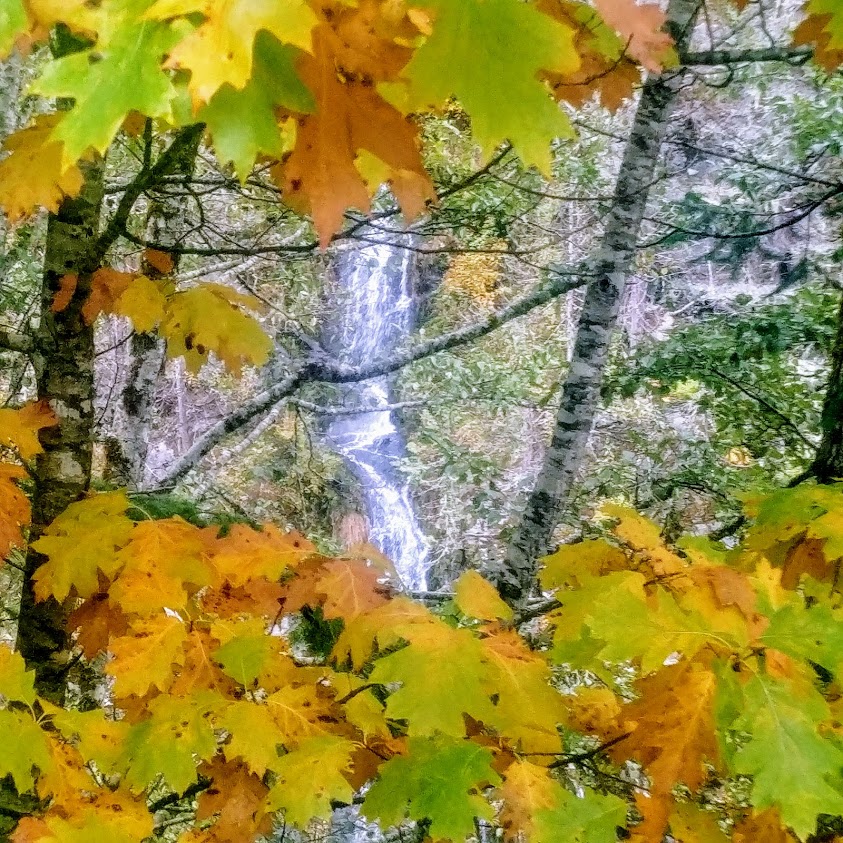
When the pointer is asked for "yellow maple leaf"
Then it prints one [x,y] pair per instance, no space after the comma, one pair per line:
[33,175]
[146,657]
[208,318]
[144,302]
[220,50]
[526,790]
[83,540]
[529,709]
[298,713]
[19,428]
[478,598]
[310,777]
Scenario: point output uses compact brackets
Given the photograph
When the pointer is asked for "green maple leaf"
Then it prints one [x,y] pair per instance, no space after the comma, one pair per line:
[437,780]
[24,748]
[244,657]
[310,777]
[167,744]
[493,72]
[590,819]
[793,767]
[243,123]
[16,682]
[633,629]
[122,72]
[13,22]
[442,677]
[814,634]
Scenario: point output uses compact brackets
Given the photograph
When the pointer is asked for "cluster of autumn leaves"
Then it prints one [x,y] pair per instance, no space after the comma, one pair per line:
[324,92]
[447,716]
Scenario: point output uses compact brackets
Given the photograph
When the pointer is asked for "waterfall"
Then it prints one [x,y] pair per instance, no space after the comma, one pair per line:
[373,313]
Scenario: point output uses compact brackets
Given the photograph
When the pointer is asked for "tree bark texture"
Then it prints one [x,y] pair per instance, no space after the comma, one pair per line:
[611,265]
[828,464]
[63,358]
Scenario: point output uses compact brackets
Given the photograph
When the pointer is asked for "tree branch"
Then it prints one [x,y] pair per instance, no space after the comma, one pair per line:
[14,341]
[321,371]
[789,55]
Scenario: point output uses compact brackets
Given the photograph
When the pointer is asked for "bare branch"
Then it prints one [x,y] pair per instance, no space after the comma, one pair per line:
[322,371]
[712,58]
[15,341]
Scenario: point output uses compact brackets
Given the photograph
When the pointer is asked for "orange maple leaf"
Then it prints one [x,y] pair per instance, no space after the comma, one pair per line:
[641,26]
[14,509]
[349,59]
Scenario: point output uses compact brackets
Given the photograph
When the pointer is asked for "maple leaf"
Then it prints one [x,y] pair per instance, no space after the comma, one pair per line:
[765,826]
[107,286]
[244,657]
[121,73]
[144,302]
[437,780]
[350,115]
[672,734]
[13,23]
[244,124]
[299,714]
[823,27]
[528,709]
[568,567]
[527,789]
[220,50]
[160,558]
[399,619]
[648,631]
[80,542]
[145,658]
[24,748]
[350,587]
[176,733]
[594,711]
[19,428]
[604,71]
[442,678]
[794,768]
[33,176]
[270,553]
[253,735]
[812,635]
[17,684]
[237,797]
[641,27]
[498,88]
[478,598]
[95,622]
[593,818]
[209,318]
[15,510]
[310,777]
[98,738]
[689,824]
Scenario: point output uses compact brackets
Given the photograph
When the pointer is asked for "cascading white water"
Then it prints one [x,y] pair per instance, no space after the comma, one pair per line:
[374,313]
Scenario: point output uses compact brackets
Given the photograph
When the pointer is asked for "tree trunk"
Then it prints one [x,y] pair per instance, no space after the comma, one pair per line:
[64,367]
[828,464]
[167,220]
[581,391]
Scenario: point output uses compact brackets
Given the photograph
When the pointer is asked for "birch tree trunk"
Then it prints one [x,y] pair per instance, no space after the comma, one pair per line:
[612,263]
[63,359]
